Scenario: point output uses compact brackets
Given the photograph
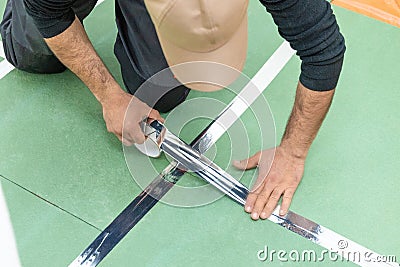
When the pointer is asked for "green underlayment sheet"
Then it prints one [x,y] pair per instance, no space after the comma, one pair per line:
[53,141]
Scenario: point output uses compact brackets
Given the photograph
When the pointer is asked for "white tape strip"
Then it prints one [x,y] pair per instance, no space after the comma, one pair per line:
[8,248]
[2,54]
[99,2]
[252,90]
[5,66]
[345,248]
[350,250]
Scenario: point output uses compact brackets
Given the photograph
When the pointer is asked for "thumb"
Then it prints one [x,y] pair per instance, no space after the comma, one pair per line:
[246,164]
[154,114]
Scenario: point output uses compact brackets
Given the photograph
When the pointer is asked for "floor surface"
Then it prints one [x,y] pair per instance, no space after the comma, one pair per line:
[65,178]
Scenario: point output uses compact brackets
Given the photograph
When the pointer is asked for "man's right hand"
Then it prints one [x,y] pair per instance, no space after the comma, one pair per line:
[114,108]
[74,49]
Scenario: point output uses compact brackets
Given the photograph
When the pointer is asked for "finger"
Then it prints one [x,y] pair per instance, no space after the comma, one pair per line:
[262,199]
[161,119]
[286,200]
[126,139]
[254,192]
[259,182]
[131,137]
[137,136]
[126,136]
[271,204]
[251,199]
[126,142]
[134,134]
[247,164]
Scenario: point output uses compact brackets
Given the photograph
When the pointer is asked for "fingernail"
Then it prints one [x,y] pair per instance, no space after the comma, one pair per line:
[282,212]
[263,216]
[254,215]
[248,208]
[235,162]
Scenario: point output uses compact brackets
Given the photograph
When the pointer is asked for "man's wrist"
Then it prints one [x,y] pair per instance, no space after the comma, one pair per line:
[294,150]
[110,94]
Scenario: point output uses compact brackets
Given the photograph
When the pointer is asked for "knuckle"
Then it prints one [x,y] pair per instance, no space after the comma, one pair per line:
[290,190]
[273,178]
[259,204]
[270,206]
[127,143]
[252,195]
[274,197]
[263,195]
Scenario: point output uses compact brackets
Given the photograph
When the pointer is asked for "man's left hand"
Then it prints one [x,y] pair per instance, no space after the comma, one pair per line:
[279,174]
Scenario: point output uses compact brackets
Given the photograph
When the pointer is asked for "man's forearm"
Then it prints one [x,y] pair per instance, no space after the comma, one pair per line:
[74,49]
[308,112]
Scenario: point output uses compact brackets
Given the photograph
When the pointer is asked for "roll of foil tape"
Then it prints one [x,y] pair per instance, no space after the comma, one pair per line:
[154,132]
[159,139]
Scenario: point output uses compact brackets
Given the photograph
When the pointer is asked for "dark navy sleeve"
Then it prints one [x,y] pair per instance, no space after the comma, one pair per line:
[311,29]
[51,17]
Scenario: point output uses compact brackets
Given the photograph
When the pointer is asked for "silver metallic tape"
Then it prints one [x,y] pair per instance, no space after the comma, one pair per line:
[334,242]
[131,215]
[192,160]
[161,139]
[291,221]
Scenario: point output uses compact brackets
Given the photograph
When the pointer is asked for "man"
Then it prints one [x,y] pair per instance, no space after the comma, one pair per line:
[154,34]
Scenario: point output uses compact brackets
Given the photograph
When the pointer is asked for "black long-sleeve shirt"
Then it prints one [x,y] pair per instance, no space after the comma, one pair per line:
[311,29]
[51,17]
[308,25]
